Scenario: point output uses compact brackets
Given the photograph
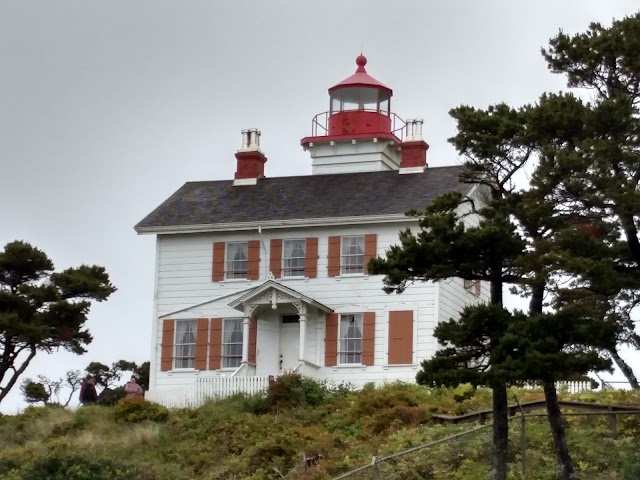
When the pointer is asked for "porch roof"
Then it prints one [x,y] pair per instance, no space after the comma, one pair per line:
[272,292]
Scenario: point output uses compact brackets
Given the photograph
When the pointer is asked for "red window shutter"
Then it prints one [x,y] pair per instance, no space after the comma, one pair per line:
[253,257]
[166,349]
[401,337]
[253,337]
[215,344]
[333,259]
[368,337]
[331,340]
[275,257]
[311,258]
[218,261]
[202,341]
[370,247]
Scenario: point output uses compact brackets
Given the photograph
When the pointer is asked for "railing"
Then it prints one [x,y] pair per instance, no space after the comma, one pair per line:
[307,369]
[320,124]
[177,398]
[208,388]
[221,387]
[245,370]
[566,387]
[406,464]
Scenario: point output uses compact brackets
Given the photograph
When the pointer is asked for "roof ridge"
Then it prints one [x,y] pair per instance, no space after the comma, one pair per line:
[378,172]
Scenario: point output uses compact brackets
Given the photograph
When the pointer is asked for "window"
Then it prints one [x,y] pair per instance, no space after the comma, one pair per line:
[232,343]
[293,258]
[185,344]
[473,286]
[237,260]
[290,319]
[350,340]
[352,255]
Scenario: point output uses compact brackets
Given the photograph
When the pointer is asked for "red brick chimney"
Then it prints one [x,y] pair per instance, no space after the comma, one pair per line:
[413,149]
[251,160]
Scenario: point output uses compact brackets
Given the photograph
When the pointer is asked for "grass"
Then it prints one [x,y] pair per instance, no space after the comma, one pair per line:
[266,437]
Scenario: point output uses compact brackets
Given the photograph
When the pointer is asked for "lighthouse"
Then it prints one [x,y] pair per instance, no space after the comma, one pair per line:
[360,133]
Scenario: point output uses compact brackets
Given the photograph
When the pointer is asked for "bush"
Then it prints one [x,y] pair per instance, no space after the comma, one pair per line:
[294,390]
[389,396]
[395,418]
[135,409]
[73,467]
[111,396]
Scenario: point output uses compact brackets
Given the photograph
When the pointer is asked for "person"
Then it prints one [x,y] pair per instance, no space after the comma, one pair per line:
[88,393]
[132,389]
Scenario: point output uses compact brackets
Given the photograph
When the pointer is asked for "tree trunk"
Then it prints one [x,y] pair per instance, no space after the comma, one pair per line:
[4,391]
[558,431]
[631,234]
[500,433]
[554,416]
[625,369]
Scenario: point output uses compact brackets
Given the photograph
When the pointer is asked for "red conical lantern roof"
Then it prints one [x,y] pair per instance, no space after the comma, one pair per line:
[361,78]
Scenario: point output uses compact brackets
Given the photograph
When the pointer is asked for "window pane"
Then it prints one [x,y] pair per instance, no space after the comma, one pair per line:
[232,334]
[352,257]
[237,260]
[293,258]
[184,352]
[350,98]
[350,341]
[368,98]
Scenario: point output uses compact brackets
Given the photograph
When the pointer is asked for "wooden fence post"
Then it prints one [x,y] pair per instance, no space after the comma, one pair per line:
[374,467]
[523,438]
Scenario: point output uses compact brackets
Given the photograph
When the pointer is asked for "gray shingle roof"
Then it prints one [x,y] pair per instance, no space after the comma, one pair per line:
[303,197]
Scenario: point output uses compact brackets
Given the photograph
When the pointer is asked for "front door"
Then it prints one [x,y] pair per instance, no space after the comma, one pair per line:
[289,344]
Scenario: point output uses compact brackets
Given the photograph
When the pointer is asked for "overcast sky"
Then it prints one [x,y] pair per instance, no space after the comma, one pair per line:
[108,107]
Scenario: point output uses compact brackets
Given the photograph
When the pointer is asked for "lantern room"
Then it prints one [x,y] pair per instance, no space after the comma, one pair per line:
[360,133]
[360,104]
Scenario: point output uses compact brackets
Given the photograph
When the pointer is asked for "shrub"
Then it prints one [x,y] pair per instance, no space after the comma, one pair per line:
[294,390]
[134,410]
[392,395]
[394,418]
[111,396]
[73,467]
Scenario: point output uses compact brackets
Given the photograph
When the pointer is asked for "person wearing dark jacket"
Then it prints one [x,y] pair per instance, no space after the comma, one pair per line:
[88,393]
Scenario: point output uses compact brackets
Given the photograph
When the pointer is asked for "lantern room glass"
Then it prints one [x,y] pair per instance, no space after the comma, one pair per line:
[360,98]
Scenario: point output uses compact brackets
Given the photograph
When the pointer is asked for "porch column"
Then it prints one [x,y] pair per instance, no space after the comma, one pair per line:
[245,340]
[303,334]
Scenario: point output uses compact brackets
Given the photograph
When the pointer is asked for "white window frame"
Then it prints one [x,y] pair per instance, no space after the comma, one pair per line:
[349,346]
[184,353]
[347,264]
[287,270]
[231,355]
[231,272]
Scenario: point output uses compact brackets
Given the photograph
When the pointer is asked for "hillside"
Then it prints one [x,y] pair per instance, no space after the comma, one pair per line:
[265,437]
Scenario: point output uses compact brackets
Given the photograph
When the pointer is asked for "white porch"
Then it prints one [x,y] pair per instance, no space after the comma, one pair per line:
[290,329]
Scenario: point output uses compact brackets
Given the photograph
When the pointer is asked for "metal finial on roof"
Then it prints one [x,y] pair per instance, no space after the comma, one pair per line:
[361,61]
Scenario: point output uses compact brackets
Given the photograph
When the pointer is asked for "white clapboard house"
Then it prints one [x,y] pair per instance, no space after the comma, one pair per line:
[256,275]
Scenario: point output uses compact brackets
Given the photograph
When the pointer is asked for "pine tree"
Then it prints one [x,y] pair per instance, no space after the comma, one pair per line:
[42,310]
[595,169]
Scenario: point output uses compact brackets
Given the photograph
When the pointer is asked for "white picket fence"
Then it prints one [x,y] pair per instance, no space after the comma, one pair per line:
[208,388]
[566,387]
